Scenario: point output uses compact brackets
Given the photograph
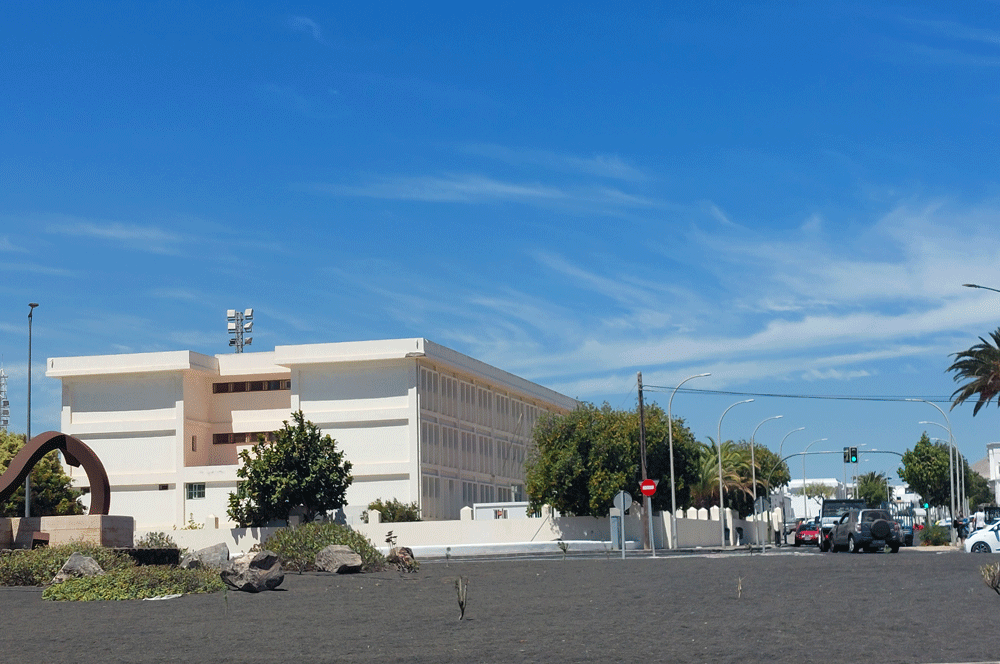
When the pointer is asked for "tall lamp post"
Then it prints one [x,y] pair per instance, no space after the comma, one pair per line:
[722,520]
[805,501]
[673,485]
[951,469]
[952,452]
[27,479]
[753,475]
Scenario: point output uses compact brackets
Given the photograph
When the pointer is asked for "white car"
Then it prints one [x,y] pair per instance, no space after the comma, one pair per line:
[985,540]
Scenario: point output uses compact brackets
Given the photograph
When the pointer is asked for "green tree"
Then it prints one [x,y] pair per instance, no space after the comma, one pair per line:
[873,488]
[52,492]
[299,470]
[925,471]
[580,460]
[978,489]
[979,366]
[393,511]
[817,490]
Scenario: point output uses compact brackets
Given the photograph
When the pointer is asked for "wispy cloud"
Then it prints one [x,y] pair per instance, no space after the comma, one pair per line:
[7,245]
[307,26]
[470,188]
[605,166]
[34,268]
[147,238]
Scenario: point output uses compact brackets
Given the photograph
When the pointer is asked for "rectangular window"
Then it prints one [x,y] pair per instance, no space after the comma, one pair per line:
[195,491]
[252,386]
[257,385]
[194,443]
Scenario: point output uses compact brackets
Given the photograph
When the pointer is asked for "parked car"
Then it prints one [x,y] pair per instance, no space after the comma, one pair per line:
[807,533]
[984,540]
[831,513]
[866,530]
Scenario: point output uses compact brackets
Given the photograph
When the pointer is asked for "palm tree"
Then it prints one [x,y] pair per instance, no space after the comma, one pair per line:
[735,473]
[980,366]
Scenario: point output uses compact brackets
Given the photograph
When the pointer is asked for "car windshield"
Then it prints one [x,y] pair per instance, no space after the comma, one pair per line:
[874,515]
[807,526]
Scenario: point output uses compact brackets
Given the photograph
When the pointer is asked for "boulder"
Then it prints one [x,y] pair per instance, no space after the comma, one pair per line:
[78,566]
[338,559]
[402,557]
[253,572]
[214,556]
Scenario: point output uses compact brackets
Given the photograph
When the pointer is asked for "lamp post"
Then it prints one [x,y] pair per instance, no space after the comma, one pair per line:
[753,475]
[952,452]
[781,446]
[805,500]
[951,470]
[673,486]
[722,521]
[27,479]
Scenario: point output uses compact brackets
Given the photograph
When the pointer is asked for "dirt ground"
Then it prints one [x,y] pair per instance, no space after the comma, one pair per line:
[914,606]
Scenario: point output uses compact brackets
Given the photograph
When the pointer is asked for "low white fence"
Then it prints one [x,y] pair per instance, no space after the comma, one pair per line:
[695,529]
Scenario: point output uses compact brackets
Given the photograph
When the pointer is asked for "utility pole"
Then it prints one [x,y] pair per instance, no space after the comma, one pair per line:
[647,502]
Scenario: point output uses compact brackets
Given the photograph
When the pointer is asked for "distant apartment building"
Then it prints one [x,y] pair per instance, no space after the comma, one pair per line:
[418,421]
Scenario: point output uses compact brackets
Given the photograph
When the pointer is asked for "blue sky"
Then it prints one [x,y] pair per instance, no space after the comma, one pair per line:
[786,196]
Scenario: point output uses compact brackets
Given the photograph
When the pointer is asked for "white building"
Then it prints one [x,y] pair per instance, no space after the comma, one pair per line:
[418,421]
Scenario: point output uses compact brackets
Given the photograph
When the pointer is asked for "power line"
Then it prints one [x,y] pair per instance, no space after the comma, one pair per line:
[829,397]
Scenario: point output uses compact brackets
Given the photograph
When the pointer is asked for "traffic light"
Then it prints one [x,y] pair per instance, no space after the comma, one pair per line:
[847,454]
[854,455]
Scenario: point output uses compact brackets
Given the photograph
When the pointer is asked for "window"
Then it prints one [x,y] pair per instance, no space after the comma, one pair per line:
[195,491]
[252,386]
[194,443]
[241,438]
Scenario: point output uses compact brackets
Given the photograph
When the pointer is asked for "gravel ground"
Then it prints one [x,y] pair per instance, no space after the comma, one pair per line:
[915,606]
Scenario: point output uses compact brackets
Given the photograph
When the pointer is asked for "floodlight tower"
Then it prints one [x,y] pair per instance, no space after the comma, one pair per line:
[4,403]
[238,323]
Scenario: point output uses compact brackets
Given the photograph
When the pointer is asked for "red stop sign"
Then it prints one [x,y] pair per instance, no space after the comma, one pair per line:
[648,487]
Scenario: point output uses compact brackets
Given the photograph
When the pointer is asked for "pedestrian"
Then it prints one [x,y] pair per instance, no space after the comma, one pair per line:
[980,517]
[957,525]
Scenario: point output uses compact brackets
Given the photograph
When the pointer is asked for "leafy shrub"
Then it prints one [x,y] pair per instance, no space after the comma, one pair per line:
[297,546]
[37,567]
[393,511]
[157,540]
[935,536]
[136,583]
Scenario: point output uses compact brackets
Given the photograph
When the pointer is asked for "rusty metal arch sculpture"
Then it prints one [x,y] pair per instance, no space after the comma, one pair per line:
[76,454]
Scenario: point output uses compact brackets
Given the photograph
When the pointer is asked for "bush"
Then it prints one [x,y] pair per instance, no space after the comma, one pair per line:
[393,511]
[935,536]
[156,541]
[136,583]
[37,567]
[297,546]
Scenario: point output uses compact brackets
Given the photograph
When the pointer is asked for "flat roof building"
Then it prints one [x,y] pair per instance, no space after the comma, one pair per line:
[419,422]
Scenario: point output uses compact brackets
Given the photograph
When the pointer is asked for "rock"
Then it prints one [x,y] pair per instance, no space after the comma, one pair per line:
[253,572]
[402,557]
[212,556]
[338,559]
[78,566]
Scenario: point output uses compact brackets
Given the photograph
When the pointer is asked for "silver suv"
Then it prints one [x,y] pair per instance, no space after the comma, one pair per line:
[866,529]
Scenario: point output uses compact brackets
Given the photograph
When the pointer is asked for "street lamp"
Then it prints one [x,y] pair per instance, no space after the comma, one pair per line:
[951,470]
[983,287]
[27,478]
[805,500]
[673,486]
[722,521]
[952,451]
[753,476]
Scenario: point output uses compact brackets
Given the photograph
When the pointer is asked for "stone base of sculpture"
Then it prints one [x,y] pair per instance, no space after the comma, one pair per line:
[101,529]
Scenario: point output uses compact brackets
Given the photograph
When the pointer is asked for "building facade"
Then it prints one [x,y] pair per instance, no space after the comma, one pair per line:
[418,421]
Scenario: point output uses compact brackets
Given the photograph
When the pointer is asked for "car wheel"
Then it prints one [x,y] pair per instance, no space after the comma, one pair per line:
[852,546]
[797,543]
[894,549]
[980,547]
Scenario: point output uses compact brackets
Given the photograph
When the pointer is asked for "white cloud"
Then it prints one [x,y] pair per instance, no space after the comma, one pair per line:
[306,25]
[605,166]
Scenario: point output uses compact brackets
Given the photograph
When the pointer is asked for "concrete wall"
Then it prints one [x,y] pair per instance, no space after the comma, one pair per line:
[696,529]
